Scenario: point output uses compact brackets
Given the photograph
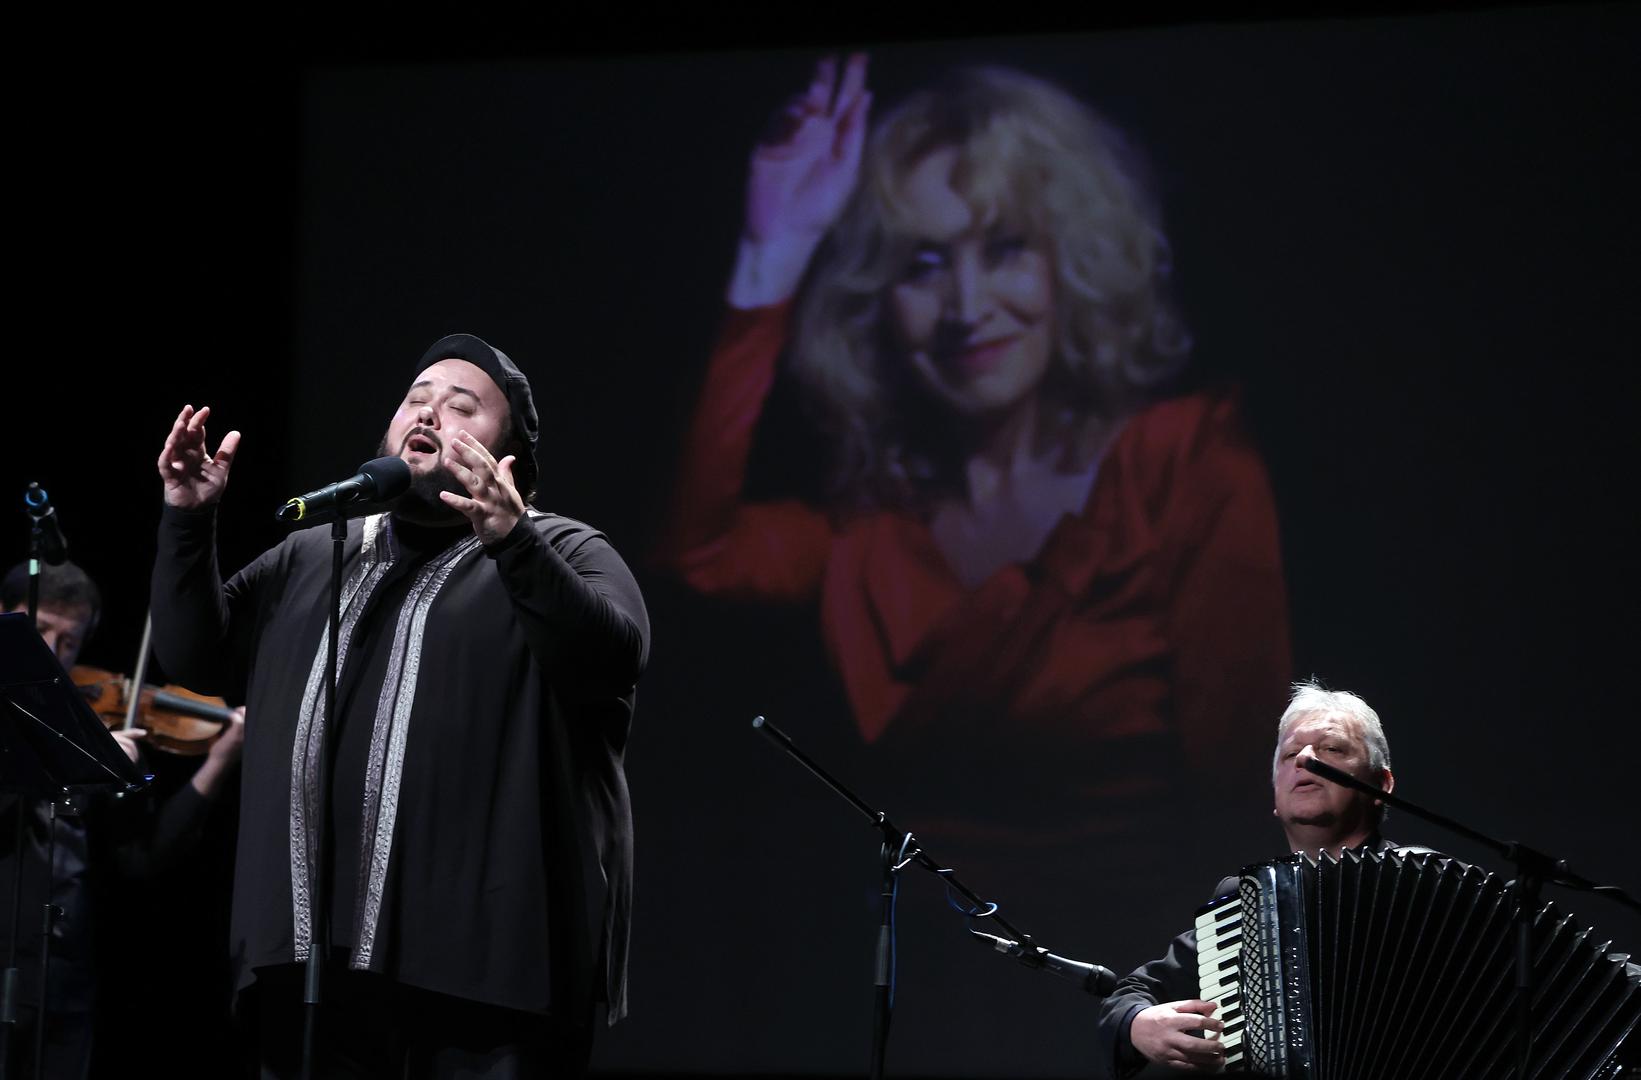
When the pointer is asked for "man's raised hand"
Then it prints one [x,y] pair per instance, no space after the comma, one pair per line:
[193,476]
[493,504]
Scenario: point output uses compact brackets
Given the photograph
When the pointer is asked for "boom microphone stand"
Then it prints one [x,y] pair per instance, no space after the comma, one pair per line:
[899,850]
[1534,869]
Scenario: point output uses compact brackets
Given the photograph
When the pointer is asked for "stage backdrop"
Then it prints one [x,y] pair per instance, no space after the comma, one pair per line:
[1332,332]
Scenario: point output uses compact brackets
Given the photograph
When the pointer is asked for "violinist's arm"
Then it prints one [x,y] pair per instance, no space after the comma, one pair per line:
[222,758]
[155,837]
[147,837]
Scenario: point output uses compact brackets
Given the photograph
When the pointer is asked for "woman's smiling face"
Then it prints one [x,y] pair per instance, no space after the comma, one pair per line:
[974,309]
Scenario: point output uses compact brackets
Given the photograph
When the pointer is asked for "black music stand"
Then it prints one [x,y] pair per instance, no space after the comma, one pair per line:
[51,746]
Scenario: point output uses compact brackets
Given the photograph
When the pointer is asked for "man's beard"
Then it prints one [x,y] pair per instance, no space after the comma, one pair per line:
[421,504]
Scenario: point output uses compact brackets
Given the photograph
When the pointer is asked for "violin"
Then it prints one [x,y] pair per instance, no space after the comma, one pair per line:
[176,719]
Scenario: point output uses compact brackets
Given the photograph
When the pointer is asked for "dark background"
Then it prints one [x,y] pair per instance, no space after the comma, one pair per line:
[1411,235]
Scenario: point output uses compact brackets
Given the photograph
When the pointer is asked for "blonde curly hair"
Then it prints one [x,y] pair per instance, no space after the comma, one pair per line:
[1034,158]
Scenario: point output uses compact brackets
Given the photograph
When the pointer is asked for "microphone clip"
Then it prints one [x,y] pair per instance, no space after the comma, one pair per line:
[47,530]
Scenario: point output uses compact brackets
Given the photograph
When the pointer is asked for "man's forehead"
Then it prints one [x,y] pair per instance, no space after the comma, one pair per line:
[62,617]
[462,374]
[1321,722]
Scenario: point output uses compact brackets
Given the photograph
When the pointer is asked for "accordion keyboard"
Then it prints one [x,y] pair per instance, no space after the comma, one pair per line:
[1219,944]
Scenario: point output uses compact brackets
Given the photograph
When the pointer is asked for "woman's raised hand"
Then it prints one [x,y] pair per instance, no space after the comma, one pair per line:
[193,476]
[800,178]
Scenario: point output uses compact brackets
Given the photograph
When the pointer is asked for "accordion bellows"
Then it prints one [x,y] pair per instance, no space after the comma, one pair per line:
[1391,966]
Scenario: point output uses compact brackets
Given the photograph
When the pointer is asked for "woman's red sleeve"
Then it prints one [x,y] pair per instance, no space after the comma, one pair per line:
[714,541]
[1229,607]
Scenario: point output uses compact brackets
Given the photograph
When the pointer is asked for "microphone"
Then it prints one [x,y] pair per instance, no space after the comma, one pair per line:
[37,502]
[1342,778]
[1093,978]
[376,481]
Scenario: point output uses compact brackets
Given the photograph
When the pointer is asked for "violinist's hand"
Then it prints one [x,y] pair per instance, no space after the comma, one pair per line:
[193,476]
[231,743]
[222,757]
[1163,1033]
[494,505]
[799,180]
[127,738]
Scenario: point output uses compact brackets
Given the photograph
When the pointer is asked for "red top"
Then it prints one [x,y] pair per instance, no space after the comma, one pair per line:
[1150,628]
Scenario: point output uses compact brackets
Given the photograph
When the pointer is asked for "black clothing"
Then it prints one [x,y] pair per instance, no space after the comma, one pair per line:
[371,1028]
[479,801]
[92,844]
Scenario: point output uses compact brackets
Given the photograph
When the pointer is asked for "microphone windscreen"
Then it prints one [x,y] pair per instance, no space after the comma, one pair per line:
[391,475]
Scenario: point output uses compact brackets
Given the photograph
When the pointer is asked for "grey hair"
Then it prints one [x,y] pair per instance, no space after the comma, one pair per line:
[1311,698]
[1030,155]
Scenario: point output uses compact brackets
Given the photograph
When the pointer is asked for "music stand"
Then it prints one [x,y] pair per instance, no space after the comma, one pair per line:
[51,746]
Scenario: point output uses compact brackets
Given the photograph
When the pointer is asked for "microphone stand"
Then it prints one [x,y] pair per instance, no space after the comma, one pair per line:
[25,810]
[1534,869]
[8,981]
[46,767]
[315,968]
[897,851]
[381,479]
[48,922]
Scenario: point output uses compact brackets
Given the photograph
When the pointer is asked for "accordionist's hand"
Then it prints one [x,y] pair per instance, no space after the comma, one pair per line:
[1167,1034]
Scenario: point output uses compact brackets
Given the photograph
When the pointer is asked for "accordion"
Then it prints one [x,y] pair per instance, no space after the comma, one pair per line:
[1391,966]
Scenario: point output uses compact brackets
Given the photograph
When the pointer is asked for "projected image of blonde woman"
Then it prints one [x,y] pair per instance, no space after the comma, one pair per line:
[1043,544]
